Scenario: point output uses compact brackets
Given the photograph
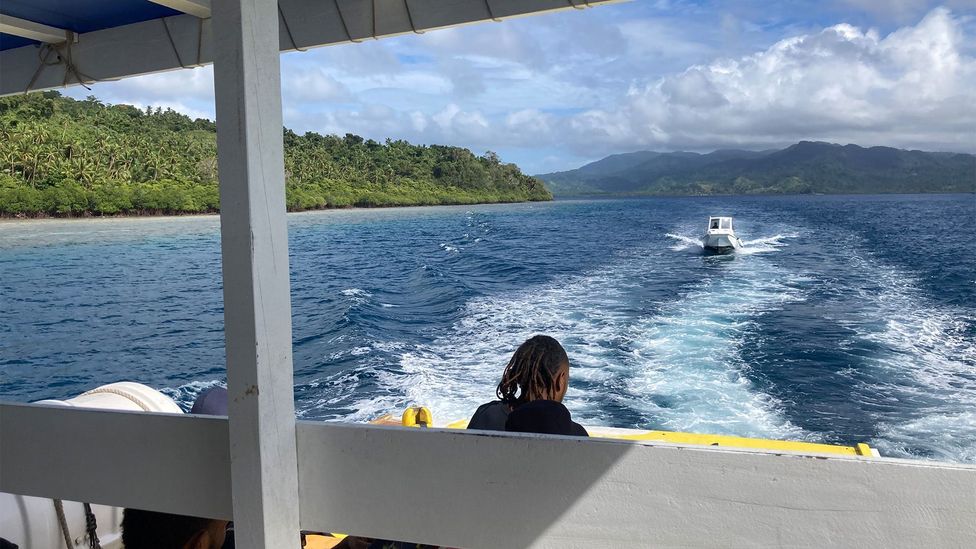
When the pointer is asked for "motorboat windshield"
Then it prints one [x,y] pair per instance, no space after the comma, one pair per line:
[720,224]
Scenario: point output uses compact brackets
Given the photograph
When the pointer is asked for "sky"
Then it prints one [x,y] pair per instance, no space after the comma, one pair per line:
[553,92]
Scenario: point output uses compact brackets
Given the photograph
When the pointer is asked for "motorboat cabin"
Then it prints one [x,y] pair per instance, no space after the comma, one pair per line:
[720,236]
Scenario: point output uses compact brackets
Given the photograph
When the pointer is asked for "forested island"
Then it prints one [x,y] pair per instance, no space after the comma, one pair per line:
[64,157]
[804,168]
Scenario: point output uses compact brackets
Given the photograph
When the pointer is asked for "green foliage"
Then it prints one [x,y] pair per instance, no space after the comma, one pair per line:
[59,156]
[806,167]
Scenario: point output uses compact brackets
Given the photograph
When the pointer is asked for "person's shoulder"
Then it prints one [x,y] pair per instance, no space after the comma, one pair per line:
[489,405]
[490,416]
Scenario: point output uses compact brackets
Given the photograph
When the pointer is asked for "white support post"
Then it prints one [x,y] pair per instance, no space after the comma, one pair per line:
[254,246]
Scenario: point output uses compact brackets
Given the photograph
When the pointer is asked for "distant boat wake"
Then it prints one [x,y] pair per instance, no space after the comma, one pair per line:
[685,242]
[759,245]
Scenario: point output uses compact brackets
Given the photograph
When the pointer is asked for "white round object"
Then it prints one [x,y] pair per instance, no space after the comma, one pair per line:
[124,395]
[31,522]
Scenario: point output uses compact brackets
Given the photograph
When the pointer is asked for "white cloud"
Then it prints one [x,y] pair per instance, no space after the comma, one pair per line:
[187,91]
[418,121]
[914,87]
[312,85]
[665,76]
[455,122]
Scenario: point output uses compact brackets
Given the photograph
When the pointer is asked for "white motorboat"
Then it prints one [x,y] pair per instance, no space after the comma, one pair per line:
[720,236]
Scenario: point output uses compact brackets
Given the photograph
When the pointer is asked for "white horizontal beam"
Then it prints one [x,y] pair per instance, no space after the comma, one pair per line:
[162,462]
[472,489]
[196,8]
[32,30]
[463,489]
[186,40]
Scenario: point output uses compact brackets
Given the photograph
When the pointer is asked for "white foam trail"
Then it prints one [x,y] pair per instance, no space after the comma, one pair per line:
[755,246]
[345,389]
[685,242]
[947,435]
[685,357]
[186,394]
[927,357]
[356,292]
[460,370]
[766,244]
[692,375]
[776,240]
[357,296]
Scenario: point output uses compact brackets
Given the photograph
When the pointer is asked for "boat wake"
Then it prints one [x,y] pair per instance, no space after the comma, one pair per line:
[692,376]
[925,361]
[685,242]
[679,363]
[767,244]
[675,367]
[186,394]
[756,246]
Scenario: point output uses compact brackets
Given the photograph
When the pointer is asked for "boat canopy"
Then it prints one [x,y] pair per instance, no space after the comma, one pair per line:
[52,43]
[720,223]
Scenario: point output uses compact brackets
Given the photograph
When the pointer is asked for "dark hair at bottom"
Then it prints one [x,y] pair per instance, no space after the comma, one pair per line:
[532,371]
[154,530]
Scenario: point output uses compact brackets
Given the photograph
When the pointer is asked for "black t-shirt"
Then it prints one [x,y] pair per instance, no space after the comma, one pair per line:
[490,416]
[546,417]
[541,416]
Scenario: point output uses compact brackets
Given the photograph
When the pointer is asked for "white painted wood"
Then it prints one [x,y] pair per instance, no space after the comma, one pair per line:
[31,30]
[196,8]
[254,250]
[491,490]
[32,522]
[162,462]
[480,490]
[143,48]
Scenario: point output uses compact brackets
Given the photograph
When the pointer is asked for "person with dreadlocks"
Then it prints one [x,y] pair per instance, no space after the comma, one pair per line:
[538,373]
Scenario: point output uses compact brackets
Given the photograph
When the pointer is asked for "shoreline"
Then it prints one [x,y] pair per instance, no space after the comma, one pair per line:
[8,218]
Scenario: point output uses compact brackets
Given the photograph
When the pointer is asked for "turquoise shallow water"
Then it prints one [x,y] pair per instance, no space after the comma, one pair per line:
[845,318]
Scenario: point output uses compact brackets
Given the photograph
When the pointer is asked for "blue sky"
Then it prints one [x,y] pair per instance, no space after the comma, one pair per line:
[553,92]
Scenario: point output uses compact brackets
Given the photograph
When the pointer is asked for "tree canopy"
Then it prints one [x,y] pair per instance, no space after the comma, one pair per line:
[60,156]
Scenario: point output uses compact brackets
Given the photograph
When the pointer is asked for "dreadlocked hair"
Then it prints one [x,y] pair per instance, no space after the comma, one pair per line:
[532,371]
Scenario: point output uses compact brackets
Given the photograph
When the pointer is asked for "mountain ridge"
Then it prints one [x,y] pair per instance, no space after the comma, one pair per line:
[804,167]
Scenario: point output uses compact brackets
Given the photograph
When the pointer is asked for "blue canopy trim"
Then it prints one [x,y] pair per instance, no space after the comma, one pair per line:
[79,16]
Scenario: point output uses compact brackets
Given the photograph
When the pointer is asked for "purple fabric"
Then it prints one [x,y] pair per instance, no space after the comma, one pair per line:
[212,402]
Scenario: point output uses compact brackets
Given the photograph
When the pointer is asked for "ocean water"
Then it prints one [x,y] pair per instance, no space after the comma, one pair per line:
[844,319]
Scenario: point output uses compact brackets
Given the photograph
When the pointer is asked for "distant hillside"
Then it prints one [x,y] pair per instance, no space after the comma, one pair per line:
[806,167]
[59,156]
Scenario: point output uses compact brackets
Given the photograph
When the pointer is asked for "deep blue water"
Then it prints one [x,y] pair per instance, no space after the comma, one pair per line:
[845,319]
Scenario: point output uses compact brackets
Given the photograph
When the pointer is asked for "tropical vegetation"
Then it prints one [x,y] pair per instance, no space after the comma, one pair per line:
[65,157]
[805,167]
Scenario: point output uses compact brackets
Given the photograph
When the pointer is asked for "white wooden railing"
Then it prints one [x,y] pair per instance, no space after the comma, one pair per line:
[476,489]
